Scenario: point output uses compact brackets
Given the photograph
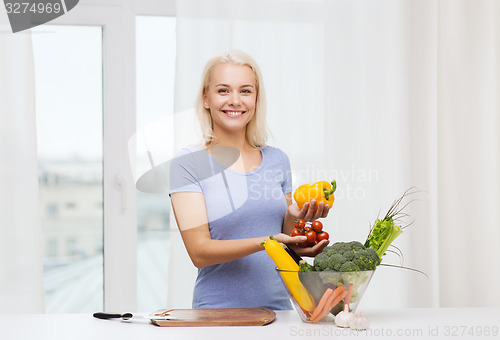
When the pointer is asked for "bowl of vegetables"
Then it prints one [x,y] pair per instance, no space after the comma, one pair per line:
[338,278]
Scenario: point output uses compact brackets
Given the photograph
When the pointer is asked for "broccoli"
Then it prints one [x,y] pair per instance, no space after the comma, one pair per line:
[355,245]
[346,256]
[367,258]
[349,266]
[321,261]
[335,261]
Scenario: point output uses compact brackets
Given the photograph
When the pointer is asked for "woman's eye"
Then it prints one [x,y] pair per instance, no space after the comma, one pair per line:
[222,91]
[246,91]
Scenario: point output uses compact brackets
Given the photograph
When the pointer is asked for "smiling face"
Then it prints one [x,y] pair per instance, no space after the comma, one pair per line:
[231,97]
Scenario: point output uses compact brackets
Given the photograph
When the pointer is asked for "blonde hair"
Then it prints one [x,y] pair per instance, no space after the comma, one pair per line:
[256,132]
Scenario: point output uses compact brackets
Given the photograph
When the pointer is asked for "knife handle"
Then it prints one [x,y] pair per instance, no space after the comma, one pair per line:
[102,315]
[293,254]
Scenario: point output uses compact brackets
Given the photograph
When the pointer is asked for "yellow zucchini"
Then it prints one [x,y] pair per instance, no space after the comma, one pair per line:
[291,274]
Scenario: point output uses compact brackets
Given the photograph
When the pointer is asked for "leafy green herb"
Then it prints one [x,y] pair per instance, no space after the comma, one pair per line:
[386,230]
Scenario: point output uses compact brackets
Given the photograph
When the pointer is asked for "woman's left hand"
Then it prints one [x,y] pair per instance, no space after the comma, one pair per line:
[307,212]
[297,243]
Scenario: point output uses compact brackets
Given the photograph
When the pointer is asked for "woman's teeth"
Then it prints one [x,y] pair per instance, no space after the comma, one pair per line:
[233,113]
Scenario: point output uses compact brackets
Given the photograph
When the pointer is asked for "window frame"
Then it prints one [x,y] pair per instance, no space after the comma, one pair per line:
[117,19]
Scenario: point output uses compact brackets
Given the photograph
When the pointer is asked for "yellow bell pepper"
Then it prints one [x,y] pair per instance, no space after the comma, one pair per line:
[320,191]
[290,274]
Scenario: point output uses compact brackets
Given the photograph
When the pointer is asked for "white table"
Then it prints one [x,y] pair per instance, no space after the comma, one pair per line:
[424,323]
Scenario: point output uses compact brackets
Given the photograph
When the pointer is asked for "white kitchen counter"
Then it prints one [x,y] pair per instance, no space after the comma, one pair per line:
[421,323]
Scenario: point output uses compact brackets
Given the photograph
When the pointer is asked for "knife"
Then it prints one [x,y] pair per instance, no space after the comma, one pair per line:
[128,316]
[293,254]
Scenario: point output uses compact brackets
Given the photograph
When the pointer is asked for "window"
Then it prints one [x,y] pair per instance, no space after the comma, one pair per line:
[93,219]
[68,76]
[52,209]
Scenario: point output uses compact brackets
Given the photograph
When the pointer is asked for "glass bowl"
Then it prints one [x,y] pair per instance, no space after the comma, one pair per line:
[306,289]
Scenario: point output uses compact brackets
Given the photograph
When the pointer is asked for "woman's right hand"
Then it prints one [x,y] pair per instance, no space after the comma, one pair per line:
[309,212]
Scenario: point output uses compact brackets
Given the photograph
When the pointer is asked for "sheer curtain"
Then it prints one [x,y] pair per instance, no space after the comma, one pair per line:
[380,95]
[469,152]
[21,289]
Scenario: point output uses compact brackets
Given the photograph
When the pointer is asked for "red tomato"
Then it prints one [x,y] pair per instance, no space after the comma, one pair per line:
[311,236]
[300,224]
[322,236]
[317,226]
[296,232]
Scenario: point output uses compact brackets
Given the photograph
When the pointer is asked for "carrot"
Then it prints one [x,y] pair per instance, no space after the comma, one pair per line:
[335,298]
[322,309]
[321,303]
[335,301]
[350,289]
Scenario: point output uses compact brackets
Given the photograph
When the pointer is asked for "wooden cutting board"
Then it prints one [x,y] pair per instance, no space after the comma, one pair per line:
[215,317]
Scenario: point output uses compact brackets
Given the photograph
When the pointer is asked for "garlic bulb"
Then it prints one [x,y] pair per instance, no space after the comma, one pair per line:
[359,322]
[342,318]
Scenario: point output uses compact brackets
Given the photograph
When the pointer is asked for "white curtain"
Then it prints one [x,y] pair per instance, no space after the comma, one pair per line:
[21,289]
[469,152]
[381,96]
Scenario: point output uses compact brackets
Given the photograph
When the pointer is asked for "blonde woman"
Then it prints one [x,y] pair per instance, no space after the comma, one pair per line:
[233,191]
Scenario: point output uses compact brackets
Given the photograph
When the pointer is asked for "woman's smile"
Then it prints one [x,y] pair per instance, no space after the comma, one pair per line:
[233,114]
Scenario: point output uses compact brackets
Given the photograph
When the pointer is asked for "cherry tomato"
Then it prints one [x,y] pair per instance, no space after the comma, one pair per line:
[311,236]
[317,226]
[322,236]
[295,232]
[300,224]
[307,228]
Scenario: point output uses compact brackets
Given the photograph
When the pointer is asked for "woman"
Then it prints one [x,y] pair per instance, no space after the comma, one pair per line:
[226,206]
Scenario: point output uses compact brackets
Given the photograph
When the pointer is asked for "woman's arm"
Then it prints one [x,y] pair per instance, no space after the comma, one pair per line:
[191,216]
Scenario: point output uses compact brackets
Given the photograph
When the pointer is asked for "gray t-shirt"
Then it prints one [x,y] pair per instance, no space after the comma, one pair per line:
[239,205]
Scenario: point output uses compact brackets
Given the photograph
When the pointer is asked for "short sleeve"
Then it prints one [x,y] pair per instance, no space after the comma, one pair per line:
[287,174]
[183,176]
